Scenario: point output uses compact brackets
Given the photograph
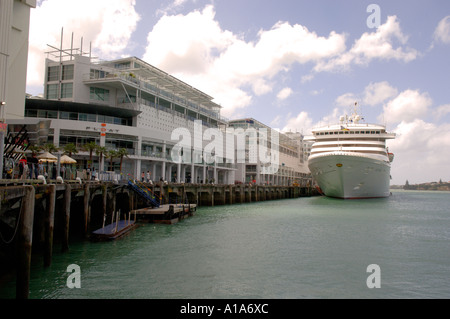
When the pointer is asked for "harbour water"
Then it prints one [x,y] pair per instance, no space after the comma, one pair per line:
[313,247]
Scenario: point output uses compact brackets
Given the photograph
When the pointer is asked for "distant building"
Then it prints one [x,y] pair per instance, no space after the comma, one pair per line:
[14,31]
[291,167]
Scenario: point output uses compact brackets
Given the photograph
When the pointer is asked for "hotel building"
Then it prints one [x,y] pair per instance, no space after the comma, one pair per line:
[130,104]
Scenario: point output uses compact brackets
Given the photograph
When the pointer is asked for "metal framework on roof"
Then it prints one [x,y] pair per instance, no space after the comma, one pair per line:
[167,82]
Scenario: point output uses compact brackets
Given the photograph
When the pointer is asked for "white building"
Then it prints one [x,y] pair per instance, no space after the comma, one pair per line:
[14,30]
[129,104]
[289,165]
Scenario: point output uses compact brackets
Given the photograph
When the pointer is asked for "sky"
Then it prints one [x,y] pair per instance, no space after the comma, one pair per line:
[290,64]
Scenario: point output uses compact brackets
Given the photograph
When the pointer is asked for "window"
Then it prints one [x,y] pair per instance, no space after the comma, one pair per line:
[52,114]
[30,113]
[66,90]
[52,91]
[99,94]
[87,117]
[179,109]
[45,114]
[52,73]
[67,72]
[109,119]
[68,116]
[123,65]
[98,74]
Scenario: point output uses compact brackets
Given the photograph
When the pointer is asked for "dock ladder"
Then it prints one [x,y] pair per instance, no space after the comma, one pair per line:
[145,192]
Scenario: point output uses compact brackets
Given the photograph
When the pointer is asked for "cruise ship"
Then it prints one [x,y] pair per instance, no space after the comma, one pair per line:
[350,159]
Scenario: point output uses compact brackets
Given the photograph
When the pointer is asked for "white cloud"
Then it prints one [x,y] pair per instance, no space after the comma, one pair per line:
[442,111]
[420,147]
[284,93]
[377,93]
[375,45]
[187,44]
[408,106]
[176,4]
[316,92]
[374,94]
[108,24]
[442,32]
[261,87]
[276,121]
[194,48]
[346,99]
[301,123]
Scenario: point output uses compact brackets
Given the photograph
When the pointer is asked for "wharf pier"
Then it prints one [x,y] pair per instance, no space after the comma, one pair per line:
[37,218]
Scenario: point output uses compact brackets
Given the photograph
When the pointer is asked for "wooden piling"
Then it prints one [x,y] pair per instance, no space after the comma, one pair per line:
[49,224]
[105,201]
[86,202]
[66,218]
[24,243]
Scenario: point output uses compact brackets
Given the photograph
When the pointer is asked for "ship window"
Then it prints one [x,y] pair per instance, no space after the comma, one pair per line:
[357,132]
[341,132]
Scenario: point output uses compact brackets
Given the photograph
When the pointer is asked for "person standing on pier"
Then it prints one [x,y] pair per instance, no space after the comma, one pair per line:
[41,168]
[26,170]
[148,176]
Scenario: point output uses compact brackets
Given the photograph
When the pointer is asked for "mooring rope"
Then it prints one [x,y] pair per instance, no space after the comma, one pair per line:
[7,242]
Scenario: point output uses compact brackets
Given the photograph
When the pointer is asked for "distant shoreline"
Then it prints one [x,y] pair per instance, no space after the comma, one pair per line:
[433,186]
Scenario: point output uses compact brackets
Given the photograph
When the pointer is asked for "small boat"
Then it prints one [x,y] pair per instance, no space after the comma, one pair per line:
[114,230]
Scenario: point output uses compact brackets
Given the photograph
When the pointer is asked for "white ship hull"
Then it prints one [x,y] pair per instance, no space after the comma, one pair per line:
[350,176]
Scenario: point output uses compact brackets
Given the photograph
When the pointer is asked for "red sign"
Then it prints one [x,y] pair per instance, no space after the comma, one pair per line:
[3,127]
[103,130]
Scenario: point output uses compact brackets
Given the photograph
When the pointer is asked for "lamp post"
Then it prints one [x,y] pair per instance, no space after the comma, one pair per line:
[3,127]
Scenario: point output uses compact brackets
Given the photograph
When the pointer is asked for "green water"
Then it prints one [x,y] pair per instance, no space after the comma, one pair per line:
[301,248]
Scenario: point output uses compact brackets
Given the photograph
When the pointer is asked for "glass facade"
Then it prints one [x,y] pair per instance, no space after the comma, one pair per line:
[99,94]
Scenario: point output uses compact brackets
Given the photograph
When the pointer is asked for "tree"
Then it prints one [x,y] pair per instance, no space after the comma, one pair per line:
[111,154]
[49,147]
[70,149]
[34,149]
[90,147]
[406,185]
[121,153]
[100,151]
